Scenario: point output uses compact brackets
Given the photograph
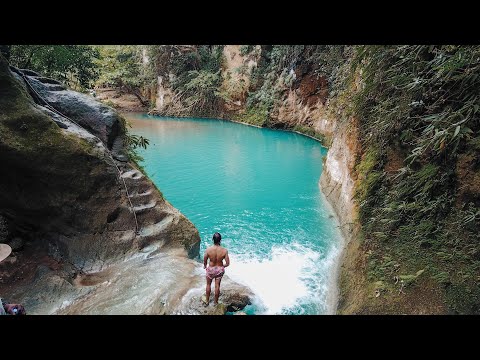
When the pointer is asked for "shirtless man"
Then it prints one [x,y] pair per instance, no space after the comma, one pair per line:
[216,268]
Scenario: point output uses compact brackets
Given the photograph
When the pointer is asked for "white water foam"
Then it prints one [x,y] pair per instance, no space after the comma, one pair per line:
[288,280]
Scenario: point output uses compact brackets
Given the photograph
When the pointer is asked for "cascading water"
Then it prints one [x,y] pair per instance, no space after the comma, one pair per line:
[259,189]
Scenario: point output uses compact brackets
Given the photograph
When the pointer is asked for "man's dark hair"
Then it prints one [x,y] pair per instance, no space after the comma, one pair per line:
[216,238]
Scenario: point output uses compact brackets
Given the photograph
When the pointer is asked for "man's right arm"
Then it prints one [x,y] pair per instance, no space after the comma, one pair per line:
[205,259]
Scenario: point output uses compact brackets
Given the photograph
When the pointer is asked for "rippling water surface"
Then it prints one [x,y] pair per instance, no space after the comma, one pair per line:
[259,189]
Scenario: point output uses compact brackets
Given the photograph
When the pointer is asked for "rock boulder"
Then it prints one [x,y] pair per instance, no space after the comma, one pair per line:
[101,120]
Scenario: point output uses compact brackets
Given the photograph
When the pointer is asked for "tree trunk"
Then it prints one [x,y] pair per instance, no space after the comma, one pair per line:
[136,93]
[139,97]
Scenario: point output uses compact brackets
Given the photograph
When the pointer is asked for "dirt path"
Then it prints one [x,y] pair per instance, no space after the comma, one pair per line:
[120,101]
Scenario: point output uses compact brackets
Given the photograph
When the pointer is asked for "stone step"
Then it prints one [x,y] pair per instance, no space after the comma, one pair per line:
[151,216]
[156,228]
[144,207]
[138,194]
[132,174]
[143,202]
[154,234]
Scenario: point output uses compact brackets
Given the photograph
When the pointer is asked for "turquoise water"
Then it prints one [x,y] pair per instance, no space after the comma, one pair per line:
[259,189]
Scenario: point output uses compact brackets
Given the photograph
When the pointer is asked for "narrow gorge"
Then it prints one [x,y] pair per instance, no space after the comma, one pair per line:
[400,169]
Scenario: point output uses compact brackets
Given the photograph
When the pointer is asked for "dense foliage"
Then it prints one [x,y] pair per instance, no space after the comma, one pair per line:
[121,67]
[193,72]
[420,129]
[73,64]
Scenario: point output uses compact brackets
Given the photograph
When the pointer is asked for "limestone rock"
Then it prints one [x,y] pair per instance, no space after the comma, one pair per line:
[29,72]
[100,119]
[233,297]
[236,297]
[219,309]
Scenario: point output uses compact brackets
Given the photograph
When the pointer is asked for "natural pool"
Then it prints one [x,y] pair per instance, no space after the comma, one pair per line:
[259,189]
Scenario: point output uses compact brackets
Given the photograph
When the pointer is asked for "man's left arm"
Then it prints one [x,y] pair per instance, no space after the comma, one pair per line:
[227,259]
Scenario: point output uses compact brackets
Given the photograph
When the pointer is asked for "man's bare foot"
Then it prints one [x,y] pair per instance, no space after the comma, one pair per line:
[204,300]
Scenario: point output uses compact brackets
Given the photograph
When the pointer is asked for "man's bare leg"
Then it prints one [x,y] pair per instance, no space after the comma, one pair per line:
[217,289]
[209,289]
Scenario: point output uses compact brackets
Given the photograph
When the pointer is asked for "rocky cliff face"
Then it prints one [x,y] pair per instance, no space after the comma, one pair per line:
[62,193]
[338,178]
[236,72]
[338,181]
[300,90]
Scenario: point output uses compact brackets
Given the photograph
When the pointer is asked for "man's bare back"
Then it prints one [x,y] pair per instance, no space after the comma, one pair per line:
[216,254]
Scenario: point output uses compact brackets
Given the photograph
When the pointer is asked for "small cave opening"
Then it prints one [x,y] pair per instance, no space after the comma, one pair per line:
[113,215]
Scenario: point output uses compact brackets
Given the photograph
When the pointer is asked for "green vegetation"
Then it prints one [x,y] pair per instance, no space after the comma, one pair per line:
[254,115]
[135,141]
[246,49]
[310,132]
[73,64]
[194,74]
[369,179]
[121,67]
[132,143]
[420,104]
